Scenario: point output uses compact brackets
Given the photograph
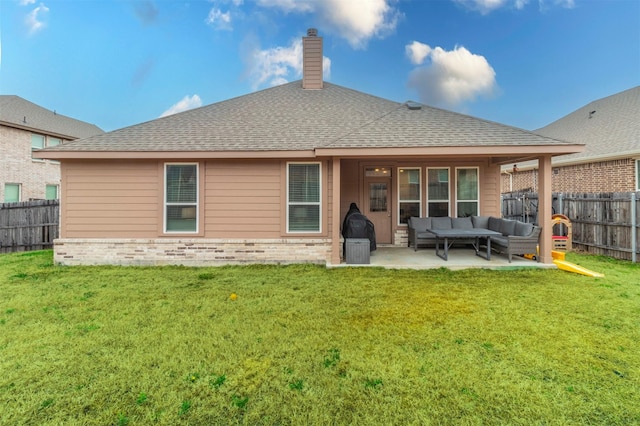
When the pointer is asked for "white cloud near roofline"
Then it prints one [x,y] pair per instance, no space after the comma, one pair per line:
[34,19]
[184,104]
[279,65]
[451,77]
[356,21]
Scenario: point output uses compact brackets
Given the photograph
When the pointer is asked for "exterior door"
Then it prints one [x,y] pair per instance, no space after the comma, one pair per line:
[377,207]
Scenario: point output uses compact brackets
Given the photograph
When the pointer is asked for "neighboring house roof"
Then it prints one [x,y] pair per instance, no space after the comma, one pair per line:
[288,118]
[610,128]
[18,112]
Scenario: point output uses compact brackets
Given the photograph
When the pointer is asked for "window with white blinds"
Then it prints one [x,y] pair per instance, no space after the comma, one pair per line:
[181,198]
[303,197]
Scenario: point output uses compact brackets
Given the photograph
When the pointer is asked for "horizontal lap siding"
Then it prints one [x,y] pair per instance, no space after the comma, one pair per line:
[243,199]
[490,190]
[106,199]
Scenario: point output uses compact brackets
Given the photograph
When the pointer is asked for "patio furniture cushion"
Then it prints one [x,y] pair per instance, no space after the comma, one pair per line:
[494,223]
[523,229]
[461,223]
[507,226]
[480,221]
[441,222]
[420,223]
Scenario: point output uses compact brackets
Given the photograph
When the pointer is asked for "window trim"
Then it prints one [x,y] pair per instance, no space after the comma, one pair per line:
[477,200]
[419,200]
[638,174]
[319,203]
[448,200]
[165,204]
[4,195]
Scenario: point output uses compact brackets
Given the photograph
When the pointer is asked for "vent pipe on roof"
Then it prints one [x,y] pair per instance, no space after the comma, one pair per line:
[312,60]
[414,105]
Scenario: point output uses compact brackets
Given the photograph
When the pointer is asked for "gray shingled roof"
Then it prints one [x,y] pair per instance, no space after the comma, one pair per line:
[610,127]
[18,112]
[289,118]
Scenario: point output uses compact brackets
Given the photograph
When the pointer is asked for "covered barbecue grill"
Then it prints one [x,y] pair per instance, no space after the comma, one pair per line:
[356,225]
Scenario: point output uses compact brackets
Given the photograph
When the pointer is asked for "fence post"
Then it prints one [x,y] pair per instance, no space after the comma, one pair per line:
[560,206]
[634,246]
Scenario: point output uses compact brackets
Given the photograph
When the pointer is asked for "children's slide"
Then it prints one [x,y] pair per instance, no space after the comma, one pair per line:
[558,259]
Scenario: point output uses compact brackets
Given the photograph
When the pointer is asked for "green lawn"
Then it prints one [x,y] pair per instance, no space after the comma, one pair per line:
[307,345]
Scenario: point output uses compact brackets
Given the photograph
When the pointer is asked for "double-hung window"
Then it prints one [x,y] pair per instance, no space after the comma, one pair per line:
[409,194]
[181,197]
[437,192]
[467,192]
[303,197]
[37,142]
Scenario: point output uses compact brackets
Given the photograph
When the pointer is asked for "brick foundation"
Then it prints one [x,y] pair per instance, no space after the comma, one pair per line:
[190,252]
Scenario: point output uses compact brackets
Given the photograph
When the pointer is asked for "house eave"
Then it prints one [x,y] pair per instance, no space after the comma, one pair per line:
[499,154]
[177,155]
[37,130]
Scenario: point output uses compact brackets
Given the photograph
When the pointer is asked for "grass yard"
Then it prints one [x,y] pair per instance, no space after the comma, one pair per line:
[307,345]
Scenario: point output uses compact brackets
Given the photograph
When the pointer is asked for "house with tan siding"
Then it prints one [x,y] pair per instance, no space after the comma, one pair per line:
[24,128]
[268,177]
[610,129]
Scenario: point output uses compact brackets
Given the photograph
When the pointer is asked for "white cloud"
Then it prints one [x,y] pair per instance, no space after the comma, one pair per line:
[417,52]
[184,104]
[287,6]
[360,20]
[218,19]
[34,18]
[357,21]
[278,65]
[452,77]
[26,2]
[488,6]
[567,4]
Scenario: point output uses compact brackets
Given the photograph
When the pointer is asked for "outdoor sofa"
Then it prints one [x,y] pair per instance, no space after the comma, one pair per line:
[516,237]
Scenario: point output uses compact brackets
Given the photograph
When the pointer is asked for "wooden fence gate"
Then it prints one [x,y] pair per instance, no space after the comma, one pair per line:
[28,225]
[602,223]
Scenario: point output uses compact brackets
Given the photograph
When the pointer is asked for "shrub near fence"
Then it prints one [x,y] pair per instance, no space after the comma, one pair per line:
[602,223]
[28,225]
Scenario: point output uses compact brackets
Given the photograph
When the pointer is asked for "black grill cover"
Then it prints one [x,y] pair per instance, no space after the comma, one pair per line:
[356,225]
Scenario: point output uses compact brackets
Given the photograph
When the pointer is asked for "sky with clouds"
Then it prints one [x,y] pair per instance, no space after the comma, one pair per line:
[524,63]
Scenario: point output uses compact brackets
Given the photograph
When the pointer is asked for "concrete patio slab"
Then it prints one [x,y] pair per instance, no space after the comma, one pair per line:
[393,257]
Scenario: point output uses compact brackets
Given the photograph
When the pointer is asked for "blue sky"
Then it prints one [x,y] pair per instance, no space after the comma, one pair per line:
[116,63]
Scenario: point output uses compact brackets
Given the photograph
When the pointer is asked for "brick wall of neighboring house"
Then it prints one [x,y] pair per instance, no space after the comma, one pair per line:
[17,167]
[602,176]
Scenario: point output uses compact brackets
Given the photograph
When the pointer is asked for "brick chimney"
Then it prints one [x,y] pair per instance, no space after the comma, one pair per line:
[312,60]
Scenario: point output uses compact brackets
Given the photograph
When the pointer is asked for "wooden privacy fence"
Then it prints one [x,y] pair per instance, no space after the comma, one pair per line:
[602,223]
[28,225]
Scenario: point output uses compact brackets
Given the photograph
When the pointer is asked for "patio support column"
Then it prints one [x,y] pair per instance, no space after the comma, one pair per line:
[544,207]
[335,213]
